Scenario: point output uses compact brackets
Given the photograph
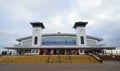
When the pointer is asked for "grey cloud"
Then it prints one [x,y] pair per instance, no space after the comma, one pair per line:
[103,17]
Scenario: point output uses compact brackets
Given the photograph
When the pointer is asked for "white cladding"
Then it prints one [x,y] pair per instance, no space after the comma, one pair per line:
[90,42]
[37,32]
[80,31]
[27,42]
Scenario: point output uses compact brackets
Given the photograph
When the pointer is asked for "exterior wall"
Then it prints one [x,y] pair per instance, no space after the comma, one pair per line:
[37,32]
[35,51]
[80,31]
[81,51]
[27,42]
[92,42]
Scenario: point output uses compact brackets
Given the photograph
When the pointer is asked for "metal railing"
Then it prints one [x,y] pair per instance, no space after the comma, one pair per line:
[69,58]
[49,58]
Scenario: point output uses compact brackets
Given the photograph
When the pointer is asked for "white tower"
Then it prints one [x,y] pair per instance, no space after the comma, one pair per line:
[37,33]
[80,33]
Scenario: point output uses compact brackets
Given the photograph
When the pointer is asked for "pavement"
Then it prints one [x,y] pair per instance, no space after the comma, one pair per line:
[105,66]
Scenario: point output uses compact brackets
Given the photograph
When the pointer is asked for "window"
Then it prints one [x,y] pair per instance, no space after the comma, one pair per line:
[59,40]
[35,40]
[82,39]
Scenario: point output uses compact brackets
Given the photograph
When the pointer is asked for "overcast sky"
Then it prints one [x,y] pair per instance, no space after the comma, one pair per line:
[103,17]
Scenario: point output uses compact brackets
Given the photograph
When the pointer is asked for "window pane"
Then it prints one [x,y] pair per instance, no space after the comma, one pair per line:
[82,40]
[36,39]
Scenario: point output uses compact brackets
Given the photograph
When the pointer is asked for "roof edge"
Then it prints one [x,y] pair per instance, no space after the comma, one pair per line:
[61,34]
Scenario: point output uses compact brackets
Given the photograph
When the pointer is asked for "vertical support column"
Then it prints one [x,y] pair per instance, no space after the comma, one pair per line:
[39,51]
[79,51]
[65,52]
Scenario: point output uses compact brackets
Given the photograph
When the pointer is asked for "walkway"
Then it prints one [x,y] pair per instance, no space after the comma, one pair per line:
[106,66]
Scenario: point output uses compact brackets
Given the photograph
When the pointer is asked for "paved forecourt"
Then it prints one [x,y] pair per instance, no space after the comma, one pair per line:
[105,66]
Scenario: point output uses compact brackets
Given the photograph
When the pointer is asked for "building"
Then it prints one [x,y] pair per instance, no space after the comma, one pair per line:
[59,43]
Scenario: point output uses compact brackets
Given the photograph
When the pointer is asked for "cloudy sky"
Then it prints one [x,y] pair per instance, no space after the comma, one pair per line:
[59,16]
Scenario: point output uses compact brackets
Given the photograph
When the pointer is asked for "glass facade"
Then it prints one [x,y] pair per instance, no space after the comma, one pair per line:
[59,40]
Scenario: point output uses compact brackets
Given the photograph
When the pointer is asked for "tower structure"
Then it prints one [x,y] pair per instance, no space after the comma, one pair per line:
[80,33]
[37,33]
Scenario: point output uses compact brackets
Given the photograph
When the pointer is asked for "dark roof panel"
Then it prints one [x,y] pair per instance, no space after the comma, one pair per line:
[37,24]
[80,24]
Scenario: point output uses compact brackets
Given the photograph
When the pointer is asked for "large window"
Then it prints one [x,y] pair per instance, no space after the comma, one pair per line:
[82,39]
[35,40]
[59,41]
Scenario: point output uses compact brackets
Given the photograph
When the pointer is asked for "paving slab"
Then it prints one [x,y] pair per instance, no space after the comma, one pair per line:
[105,66]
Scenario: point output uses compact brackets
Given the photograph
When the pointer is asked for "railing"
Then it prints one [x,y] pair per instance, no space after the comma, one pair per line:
[49,58]
[97,57]
[59,58]
[69,58]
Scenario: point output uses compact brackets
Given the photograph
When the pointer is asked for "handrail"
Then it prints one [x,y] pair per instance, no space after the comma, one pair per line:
[59,58]
[69,58]
[97,58]
[49,58]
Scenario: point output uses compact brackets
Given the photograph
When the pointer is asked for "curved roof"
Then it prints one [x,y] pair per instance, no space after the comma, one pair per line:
[59,34]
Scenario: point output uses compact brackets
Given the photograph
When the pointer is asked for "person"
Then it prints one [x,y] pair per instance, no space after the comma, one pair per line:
[3,52]
[10,53]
